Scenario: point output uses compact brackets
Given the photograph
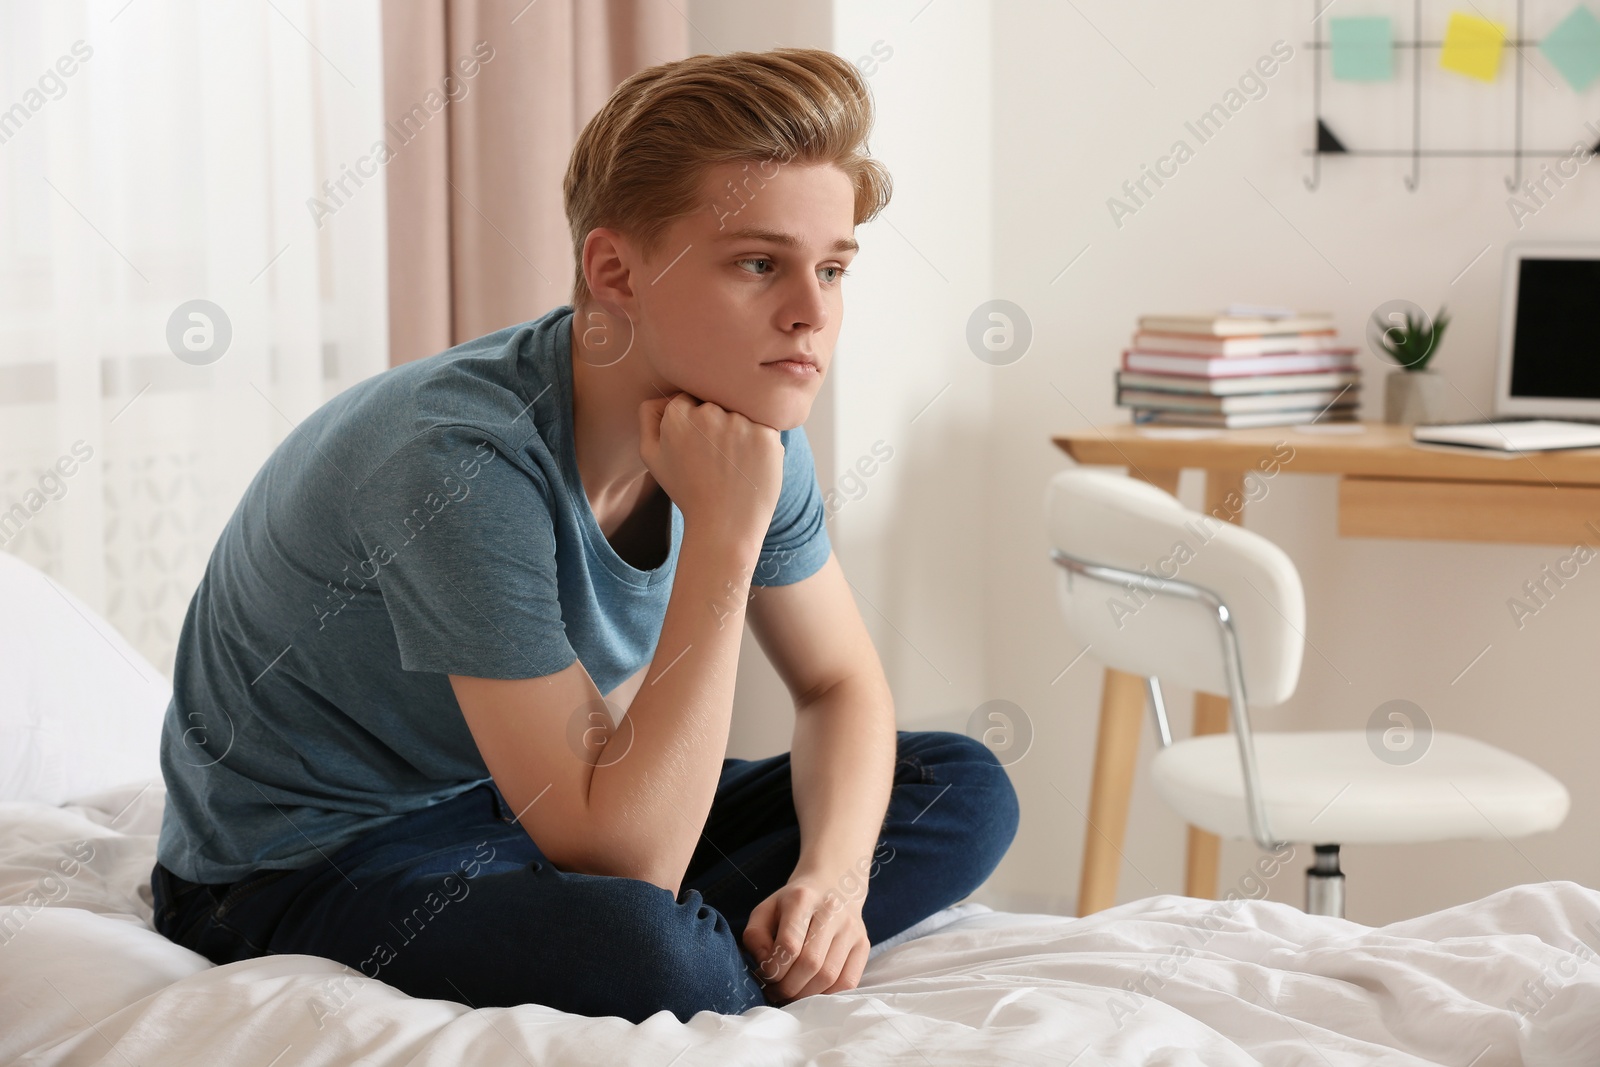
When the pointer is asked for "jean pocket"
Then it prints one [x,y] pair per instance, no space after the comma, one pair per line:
[228,932]
[162,910]
[183,922]
[241,890]
[219,942]
[176,903]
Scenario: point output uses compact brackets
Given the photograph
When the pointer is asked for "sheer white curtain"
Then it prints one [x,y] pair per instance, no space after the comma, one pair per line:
[155,153]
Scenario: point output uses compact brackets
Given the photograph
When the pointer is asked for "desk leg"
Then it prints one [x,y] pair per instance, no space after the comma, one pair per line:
[1210,710]
[1116,750]
[1122,707]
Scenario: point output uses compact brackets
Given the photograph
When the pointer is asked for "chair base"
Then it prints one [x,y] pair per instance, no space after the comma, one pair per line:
[1325,883]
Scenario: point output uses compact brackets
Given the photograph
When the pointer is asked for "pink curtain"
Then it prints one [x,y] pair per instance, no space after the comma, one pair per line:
[484,100]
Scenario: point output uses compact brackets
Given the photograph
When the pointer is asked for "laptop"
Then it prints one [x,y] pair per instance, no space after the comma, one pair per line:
[1547,373]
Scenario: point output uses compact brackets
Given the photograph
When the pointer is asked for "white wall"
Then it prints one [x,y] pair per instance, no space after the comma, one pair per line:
[1007,127]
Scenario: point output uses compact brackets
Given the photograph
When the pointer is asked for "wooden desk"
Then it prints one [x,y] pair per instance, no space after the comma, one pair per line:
[1388,487]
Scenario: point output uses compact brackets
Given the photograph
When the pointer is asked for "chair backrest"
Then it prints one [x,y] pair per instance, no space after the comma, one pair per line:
[1118,521]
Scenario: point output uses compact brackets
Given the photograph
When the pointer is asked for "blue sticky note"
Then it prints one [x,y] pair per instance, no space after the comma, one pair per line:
[1573,48]
[1363,49]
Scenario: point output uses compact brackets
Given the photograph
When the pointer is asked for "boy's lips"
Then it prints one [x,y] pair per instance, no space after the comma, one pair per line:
[797,367]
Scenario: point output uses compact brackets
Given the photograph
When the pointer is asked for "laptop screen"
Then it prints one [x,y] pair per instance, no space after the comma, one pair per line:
[1556,340]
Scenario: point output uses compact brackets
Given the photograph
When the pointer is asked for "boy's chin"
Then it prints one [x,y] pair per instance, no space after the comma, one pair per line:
[780,413]
[780,416]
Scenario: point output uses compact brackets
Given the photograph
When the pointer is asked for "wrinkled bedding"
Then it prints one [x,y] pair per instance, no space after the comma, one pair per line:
[1509,979]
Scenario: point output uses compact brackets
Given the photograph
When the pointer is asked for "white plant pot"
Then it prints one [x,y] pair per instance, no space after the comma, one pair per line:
[1414,396]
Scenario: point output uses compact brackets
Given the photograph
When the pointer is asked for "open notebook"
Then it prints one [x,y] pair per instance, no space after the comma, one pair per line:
[1532,435]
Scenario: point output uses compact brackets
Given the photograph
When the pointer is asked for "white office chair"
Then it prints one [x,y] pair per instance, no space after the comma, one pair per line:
[1155,589]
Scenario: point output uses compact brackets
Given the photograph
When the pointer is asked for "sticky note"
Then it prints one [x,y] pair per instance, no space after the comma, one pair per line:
[1573,48]
[1363,49]
[1472,46]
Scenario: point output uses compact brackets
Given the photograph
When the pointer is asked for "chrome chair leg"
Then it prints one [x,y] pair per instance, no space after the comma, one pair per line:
[1325,883]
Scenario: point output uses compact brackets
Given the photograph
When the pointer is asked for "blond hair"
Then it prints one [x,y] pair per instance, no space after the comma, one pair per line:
[639,162]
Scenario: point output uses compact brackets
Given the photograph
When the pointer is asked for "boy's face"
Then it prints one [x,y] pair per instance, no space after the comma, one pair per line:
[726,295]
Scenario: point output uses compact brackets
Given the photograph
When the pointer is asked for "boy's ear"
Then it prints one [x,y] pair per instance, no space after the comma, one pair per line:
[608,260]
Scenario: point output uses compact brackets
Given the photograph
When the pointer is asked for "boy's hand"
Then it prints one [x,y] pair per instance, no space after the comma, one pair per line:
[807,939]
[722,470]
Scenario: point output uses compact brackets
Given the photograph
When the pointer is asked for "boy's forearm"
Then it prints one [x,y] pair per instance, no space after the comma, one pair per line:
[654,798]
[842,769]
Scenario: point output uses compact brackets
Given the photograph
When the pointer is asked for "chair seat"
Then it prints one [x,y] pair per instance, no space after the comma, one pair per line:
[1329,787]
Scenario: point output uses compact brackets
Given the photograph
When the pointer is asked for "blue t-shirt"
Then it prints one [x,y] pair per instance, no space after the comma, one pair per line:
[427,521]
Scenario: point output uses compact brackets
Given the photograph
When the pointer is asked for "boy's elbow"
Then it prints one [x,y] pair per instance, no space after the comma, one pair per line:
[604,855]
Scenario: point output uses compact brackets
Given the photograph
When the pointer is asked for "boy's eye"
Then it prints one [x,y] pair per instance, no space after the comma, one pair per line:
[838,272]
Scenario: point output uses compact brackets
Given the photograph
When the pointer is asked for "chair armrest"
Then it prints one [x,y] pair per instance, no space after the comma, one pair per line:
[1233,665]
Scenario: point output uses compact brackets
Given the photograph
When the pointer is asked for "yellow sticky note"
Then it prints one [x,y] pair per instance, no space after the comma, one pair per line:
[1472,46]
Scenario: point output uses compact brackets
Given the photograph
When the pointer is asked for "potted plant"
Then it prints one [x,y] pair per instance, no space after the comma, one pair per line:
[1414,393]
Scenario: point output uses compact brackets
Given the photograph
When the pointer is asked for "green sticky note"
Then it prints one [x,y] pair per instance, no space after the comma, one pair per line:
[1363,49]
[1573,48]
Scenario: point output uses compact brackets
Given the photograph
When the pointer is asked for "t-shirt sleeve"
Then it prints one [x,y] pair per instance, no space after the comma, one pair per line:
[466,555]
[797,543]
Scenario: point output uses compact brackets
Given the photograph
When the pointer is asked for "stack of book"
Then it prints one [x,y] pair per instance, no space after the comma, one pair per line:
[1268,367]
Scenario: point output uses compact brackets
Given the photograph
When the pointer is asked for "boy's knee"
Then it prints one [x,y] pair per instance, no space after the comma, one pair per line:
[987,794]
[969,762]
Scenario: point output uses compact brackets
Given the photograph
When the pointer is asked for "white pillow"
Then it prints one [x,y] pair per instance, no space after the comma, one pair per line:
[80,708]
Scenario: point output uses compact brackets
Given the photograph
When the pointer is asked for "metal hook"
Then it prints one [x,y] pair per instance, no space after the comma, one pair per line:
[1514,183]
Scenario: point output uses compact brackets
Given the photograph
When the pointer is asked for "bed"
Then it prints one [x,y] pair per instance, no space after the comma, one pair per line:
[84,978]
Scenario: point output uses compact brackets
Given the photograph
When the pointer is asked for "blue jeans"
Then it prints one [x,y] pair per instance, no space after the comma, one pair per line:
[456,902]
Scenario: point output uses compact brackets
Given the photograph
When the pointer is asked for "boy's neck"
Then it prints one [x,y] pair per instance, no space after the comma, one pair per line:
[605,422]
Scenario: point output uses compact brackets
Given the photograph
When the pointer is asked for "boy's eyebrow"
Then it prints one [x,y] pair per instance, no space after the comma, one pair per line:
[787,240]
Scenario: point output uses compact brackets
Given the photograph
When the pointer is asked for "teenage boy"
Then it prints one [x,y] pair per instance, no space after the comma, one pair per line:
[453,695]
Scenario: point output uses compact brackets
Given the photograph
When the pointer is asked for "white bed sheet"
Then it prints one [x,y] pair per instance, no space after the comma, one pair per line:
[1167,980]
